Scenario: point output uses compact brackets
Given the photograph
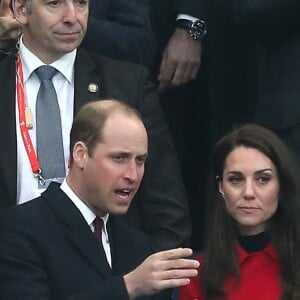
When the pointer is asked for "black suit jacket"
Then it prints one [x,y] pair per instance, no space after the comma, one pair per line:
[47,251]
[182,107]
[121,29]
[269,36]
[161,196]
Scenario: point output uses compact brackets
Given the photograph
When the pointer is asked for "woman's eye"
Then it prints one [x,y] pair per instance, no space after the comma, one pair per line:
[234,179]
[263,179]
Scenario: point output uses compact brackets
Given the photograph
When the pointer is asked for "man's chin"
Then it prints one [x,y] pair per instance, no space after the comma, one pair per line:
[120,210]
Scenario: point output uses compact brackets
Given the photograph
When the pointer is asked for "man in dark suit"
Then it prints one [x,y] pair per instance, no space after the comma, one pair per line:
[183,91]
[49,245]
[162,194]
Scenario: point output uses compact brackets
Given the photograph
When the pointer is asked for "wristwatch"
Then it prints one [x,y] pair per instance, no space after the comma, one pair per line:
[197,29]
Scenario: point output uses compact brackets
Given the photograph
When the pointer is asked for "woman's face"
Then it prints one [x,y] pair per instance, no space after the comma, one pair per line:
[250,188]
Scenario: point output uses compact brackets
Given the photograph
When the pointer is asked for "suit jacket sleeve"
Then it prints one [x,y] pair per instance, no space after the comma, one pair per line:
[262,18]
[194,8]
[122,32]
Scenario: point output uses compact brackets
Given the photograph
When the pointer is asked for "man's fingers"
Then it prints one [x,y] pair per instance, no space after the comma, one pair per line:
[167,70]
[9,28]
[162,270]
[5,10]
[182,263]
[172,278]
[172,283]
[195,71]
[175,253]
[182,74]
[178,274]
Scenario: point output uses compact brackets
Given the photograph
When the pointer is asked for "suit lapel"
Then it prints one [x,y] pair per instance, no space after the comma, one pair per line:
[76,229]
[124,258]
[87,82]
[8,149]
[87,87]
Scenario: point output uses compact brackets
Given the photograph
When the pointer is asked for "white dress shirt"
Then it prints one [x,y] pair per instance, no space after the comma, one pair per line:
[89,217]
[63,81]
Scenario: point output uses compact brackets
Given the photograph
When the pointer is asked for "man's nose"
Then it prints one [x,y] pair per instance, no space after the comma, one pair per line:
[132,172]
[70,12]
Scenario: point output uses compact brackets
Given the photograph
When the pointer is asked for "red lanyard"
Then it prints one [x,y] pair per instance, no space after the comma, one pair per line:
[25,122]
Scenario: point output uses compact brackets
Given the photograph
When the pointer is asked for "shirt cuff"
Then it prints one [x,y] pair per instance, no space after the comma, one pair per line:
[186,17]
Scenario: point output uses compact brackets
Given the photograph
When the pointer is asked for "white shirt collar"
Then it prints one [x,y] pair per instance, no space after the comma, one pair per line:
[31,62]
[86,212]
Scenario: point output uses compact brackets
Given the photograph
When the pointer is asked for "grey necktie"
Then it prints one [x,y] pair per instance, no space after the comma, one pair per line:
[48,126]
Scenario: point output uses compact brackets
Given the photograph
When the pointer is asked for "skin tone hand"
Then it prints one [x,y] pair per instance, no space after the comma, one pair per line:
[9,27]
[181,60]
[162,270]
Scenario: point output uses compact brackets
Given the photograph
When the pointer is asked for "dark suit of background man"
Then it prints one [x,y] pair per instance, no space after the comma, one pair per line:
[183,93]
[162,196]
[47,246]
[267,36]
[121,29]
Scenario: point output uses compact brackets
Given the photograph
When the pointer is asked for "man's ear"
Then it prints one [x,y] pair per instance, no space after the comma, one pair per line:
[19,10]
[80,154]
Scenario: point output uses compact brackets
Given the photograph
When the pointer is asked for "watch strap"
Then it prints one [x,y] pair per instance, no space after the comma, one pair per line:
[197,29]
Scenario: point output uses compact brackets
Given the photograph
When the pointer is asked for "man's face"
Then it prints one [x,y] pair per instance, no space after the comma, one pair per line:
[111,177]
[54,27]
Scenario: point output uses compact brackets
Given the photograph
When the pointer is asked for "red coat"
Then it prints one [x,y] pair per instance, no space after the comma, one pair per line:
[260,278]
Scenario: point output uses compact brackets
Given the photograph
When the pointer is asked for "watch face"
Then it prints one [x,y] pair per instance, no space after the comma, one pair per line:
[198,29]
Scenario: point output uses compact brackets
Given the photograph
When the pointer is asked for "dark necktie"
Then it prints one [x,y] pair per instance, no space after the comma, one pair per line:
[98,224]
[48,126]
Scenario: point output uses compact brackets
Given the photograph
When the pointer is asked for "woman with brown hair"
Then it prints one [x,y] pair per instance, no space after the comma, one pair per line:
[253,226]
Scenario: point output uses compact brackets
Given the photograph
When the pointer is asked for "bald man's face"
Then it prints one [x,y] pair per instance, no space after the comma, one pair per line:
[113,174]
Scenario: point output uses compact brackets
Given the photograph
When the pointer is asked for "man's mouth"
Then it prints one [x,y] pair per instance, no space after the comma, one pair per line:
[124,193]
